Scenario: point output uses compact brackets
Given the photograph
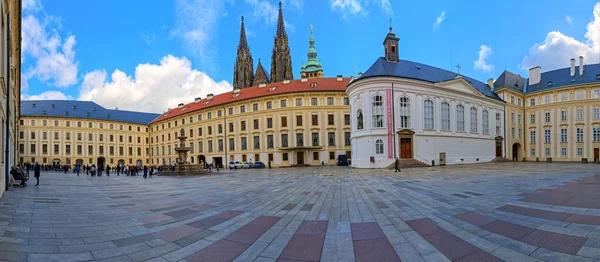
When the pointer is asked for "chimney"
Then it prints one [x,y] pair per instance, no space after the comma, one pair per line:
[236,90]
[490,83]
[339,78]
[197,100]
[180,106]
[572,67]
[210,96]
[303,79]
[535,75]
[286,81]
[580,65]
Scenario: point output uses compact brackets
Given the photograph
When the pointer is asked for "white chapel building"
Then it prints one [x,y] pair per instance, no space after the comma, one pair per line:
[407,110]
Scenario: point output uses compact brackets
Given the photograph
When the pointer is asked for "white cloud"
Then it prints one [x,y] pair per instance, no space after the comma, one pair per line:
[352,7]
[268,13]
[481,63]
[48,95]
[439,20]
[569,20]
[387,7]
[54,56]
[149,39]
[557,49]
[153,87]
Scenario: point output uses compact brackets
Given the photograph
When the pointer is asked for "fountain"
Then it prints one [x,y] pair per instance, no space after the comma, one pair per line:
[183,167]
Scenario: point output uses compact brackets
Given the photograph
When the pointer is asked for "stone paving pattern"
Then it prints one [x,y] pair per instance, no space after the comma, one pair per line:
[480,212]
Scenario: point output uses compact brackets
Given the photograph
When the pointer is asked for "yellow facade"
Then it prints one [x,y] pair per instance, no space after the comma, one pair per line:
[49,140]
[562,124]
[217,134]
[10,84]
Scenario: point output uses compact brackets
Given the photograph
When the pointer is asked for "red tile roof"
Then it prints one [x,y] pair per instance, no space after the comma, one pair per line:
[294,86]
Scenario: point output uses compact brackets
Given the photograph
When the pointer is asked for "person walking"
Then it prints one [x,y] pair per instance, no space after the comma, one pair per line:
[77,169]
[36,173]
[151,171]
[397,165]
[145,171]
[107,170]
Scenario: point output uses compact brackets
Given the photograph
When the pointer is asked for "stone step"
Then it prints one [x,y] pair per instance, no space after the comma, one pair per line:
[409,163]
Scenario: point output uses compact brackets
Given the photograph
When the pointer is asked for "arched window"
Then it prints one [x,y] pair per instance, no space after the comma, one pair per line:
[379,147]
[597,113]
[377,111]
[428,114]
[404,112]
[473,120]
[359,119]
[498,124]
[460,118]
[445,116]
[486,122]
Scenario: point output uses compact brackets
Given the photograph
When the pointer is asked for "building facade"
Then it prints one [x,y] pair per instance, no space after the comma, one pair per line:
[80,132]
[10,80]
[556,113]
[297,122]
[407,110]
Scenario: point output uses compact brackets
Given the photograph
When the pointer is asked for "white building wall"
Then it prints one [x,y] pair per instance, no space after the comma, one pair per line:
[459,150]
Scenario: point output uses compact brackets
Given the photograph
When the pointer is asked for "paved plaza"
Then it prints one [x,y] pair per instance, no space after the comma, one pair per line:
[481,212]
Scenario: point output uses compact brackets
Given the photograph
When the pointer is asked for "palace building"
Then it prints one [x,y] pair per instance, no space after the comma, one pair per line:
[422,115]
[553,116]
[81,132]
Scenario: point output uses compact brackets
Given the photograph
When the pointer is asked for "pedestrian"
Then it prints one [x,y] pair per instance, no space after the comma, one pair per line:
[151,171]
[145,171]
[77,167]
[107,170]
[397,165]
[36,173]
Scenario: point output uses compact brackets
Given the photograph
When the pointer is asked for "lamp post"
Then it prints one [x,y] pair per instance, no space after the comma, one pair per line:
[225,137]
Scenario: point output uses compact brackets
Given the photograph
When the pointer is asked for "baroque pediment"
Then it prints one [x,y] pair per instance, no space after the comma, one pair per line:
[460,85]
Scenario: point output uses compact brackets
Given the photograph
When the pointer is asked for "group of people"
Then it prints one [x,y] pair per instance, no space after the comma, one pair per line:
[120,169]
[21,173]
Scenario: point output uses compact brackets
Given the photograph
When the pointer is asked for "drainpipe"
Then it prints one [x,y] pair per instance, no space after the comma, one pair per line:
[7,121]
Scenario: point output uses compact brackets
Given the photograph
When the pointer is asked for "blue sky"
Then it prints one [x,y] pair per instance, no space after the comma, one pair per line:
[153,54]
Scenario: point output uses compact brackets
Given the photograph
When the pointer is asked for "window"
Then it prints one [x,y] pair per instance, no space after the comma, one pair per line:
[597,93]
[532,119]
[547,117]
[315,155]
[347,101]
[331,155]
[428,114]
[209,115]
[315,139]
[284,140]
[359,120]
[379,146]
[519,118]
[330,101]
[57,146]
[90,150]
[45,135]
[519,133]
[580,151]
[346,138]
[210,146]
[547,136]
[331,139]
[283,103]
[68,149]
[547,100]
[330,120]
[533,152]
[78,124]
[298,120]
[242,109]
[460,118]
[256,140]
[347,119]
[298,101]
[79,149]
[269,141]
[220,145]
[243,125]
[473,120]
[579,114]
[299,139]
[579,95]
[377,111]
[513,132]
[269,122]
[244,143]
[404,112]
[315,120]
[532,102]
[512,117]
[285,156]
[512,99]
[596,134]
[563,135]
[56,123]
[209,132]
[564,97]
[597,113]
[498,124]
[230,112]
[200,147]
[32,135]
[563,115]
[532,136]
[255,122]
[445,116]
[79,137]
[255,107]
[269,105]
[579,135]
[69,124]
[313,101]
[547,151]
[283,121]
[486,122]
[199,131]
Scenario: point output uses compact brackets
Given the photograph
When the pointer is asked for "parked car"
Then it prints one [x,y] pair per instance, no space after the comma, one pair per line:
[248,165]
[235,164]
[259,164]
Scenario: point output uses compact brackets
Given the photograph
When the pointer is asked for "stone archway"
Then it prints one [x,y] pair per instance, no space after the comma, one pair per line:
[139,163]
[516,152]
[406,143]
[121,162]
[79,162]
[101,161]
[201,160]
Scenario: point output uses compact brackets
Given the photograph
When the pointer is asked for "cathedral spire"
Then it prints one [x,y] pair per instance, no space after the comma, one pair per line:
[281,61]
[243,71]
[313,68]
[261,75]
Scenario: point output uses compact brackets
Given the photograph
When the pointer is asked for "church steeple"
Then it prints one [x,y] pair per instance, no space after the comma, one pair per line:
[390,45]
[281,61]
[261,75]
[243,71]
[313,68]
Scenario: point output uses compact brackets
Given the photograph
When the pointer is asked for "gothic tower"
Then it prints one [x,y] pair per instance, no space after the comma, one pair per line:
[243,70]
[313,68]
[281,61]
[261,75]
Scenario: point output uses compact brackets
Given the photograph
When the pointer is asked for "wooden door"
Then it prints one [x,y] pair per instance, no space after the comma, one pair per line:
[300,156]
[596,154]
[498,149]
[405,148]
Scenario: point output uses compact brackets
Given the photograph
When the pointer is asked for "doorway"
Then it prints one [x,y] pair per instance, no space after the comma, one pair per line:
[121,162]
[218,161]
[79,162]
[139,163]
[516,150]
[300,156]
[56,161]
[596,154]
[499,146]
[405,147]
[101,161]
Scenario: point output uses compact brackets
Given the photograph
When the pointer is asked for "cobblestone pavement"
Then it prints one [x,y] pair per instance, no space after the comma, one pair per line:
[483,212]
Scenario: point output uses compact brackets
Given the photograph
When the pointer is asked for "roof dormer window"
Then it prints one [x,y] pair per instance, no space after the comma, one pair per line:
[52,105]
[74,107]
[33,105]
[272,88]
[108,116]
[549,83]
[313,84]
[88,114]
[94,109]
[44,112]
[66,113]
